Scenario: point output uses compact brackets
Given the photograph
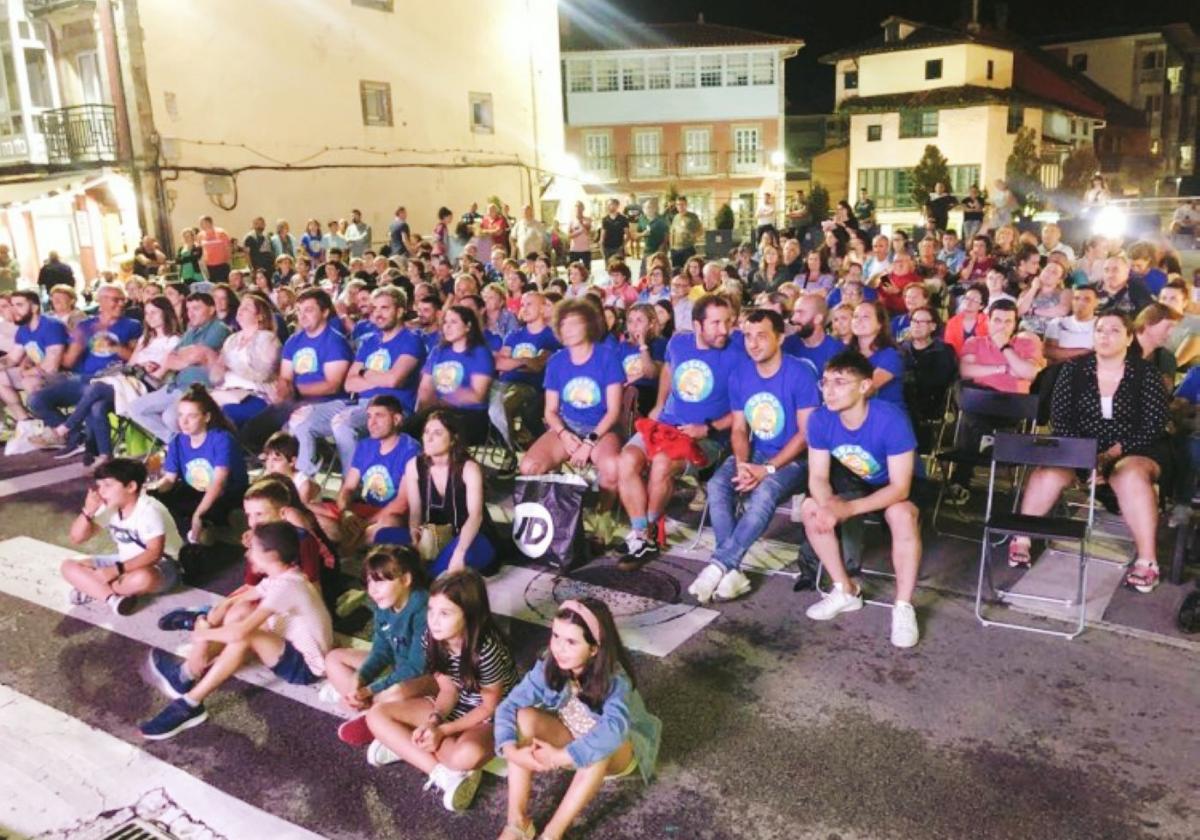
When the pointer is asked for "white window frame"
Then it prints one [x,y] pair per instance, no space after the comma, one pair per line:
[697,157]
[379,95]
[633,74]
[712,69]
[481,113]
[658,72]
[598,160]
[92,93]
[700,203]
[737,70]
[646,162]
[743,160]
[683,72]
[762,68]
[579,75]
[608,75]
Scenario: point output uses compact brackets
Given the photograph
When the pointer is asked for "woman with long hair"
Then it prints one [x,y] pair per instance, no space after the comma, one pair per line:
[817,276]
[458,373]
[310,242]
[873,339]
[248,363]
[771,273]
[226,302]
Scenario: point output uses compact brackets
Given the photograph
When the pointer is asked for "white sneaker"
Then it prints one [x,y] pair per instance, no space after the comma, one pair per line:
[905,633]
[458,786]
[706,582]
[837,601]
[733,585]
[378,755]
[328,694]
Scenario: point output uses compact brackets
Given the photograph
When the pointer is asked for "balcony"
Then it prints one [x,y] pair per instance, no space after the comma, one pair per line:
[42,8]
[696,163]
[747,162]
[600,167]
[80,134]
[646,166]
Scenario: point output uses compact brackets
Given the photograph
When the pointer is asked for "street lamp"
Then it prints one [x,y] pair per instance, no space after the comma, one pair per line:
[778,158]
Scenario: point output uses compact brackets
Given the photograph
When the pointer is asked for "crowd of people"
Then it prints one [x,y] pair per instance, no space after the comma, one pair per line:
[818,360]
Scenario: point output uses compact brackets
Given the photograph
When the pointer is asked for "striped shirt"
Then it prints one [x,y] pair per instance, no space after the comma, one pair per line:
[496,666]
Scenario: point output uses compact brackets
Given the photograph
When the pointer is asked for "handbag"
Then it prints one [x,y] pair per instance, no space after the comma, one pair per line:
[433,539]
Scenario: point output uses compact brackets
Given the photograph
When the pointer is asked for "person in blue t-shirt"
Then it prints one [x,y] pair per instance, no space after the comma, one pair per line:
[873,339]
[310,387]
[861,458]
[693,398]
[37,355]
[388,362]
[772,395]
[583,401]
[520,363]
[1187,398]
[642,354]
[458,374]
[810,341]
[204,473]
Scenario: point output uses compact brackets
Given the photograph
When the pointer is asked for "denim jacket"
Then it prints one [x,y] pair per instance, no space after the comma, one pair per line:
[622,717]
[396,643]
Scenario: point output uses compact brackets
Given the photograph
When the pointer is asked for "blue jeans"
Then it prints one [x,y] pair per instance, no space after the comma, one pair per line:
[309,422]
[348,424]
[157,413]
[91,417]
[481,554]
[60,391]
[734,536]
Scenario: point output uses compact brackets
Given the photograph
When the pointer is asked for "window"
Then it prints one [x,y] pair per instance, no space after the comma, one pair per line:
[684,67]
[697,151]
[762,68]
[737,70]
[890,188]
[89,76]
[850,80]
[918,124]
[658,72]
[1152,60]
[1087,128]
[607,78]
[933,68]
[991,69]
[378,5]
[1079,62]
[376,102]
[710,70]
[647,154]
[1153,103]
[597,154]
[579,76]
[874,133]
[701,205]
[962,177]
[747,149]
[482,120]
[1074,127]
[633,74]
[1016,118]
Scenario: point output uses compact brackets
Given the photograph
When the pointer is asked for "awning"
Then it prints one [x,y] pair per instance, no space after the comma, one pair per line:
[16,194]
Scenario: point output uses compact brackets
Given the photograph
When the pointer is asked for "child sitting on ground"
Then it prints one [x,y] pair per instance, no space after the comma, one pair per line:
[448,735]
[146,537]
[288,629]
[394,668]
[576,709]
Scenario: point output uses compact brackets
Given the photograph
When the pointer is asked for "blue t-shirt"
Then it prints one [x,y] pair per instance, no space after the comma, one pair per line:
[864,451]
[100,344]
[379,473]
[581,388]
[379,355]
[890,360]
[699,381]
[793,345]
[197,465]
[1154,279]
[770,405]
[1189,388]
[430,339]
[309,354]
[629,354]
[494,341]
[37,342]
[523,344]
[835,296]
[360,332]
[452,370]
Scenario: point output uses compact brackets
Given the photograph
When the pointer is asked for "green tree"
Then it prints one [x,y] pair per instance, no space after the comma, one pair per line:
[1077,170]
[818,203]
[1022,170]
[932,169]
[724,219]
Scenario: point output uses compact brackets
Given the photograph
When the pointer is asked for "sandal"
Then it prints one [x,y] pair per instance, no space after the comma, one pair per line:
[1020,553]
[527,833]
[1142,576]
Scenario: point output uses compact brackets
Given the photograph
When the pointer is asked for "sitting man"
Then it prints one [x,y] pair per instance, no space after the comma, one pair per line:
[772,395]
[146,537]
[861,458]
[521,364]
[388,361]
[810,341]
[693,398]
[1073,335]
[39,346]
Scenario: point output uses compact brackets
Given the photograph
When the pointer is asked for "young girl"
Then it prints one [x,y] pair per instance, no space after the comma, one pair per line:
[310,242]
[578,708]
[448,735]
[394,667]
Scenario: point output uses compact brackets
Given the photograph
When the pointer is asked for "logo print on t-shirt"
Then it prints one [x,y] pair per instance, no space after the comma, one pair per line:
[377,485]
[632,363]
[448,376]
[858,460]
[693,381]
[304,361]
[33,351]
[199,474]
[764,415]
[103,343]
[379,360]
[581,392]
[524,350]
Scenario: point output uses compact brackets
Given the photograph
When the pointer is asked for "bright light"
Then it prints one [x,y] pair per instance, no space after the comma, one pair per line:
[570,166]
[1109,223]
[778,158]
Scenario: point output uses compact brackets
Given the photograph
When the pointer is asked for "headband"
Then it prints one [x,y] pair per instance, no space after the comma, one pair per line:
[589,618]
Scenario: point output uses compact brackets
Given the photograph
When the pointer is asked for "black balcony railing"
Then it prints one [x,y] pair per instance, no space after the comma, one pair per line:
[43,7]
[80,134]
[646,166]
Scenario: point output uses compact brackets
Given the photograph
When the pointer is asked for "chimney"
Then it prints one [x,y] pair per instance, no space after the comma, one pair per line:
[973,23]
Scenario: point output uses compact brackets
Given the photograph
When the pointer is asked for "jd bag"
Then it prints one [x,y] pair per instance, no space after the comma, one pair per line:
[548,519]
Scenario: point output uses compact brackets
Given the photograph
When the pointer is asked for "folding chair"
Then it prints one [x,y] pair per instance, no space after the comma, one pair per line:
[1019,408]
[1039,451]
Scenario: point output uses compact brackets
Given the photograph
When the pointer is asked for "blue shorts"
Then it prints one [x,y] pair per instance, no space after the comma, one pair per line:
[167,568]
[291,667]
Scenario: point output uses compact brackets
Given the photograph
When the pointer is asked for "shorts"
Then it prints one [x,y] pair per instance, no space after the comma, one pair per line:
[711,449]
[167,568]
[580,430]
[291,667]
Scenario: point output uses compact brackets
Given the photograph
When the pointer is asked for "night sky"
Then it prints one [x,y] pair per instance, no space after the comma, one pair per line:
[826,26]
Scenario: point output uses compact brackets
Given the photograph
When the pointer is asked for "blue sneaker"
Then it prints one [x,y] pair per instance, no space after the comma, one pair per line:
[172,720]
[167,673]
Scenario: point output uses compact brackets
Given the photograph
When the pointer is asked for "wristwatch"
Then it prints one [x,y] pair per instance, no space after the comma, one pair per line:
[592,438]
[770,469]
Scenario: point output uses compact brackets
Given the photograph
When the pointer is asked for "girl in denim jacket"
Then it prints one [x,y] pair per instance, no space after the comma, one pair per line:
[577,708]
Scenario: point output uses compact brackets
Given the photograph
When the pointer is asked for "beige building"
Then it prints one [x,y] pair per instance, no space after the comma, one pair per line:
[235,109]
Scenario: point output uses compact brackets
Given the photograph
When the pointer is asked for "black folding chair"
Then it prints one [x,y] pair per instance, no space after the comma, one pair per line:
[1039,451]
[1019,409]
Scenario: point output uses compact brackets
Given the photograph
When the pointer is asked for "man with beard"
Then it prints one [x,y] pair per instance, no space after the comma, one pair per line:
[38,352]
[810,341]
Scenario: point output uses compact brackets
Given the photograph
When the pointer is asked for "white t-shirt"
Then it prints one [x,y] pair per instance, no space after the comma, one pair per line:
[1071,334]
[156,351]
[148,520]
[299,616]
[1186,215]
